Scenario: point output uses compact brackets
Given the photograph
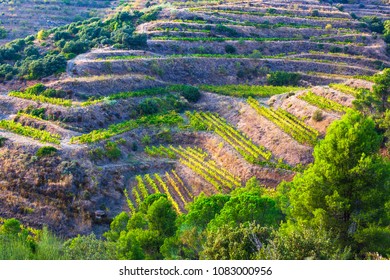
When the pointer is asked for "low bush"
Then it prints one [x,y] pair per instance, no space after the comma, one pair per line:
[112,151]
[317,116]
[2,141]
[46,151]
[230,49]
[281,78]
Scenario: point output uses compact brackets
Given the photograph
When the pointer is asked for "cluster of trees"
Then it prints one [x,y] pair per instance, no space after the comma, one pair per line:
[21,57]
[345,193]
[374,23]
[376,103]
[40,89]
[118,31]
[3,32]
[24,59]
[377,25]
[20,243]
[337,209]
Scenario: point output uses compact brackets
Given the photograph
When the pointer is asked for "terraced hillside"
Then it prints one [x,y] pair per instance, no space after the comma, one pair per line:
[246,45]
[202,108]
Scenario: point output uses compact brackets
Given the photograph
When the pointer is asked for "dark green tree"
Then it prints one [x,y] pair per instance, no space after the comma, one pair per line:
[241,242]
[282,78]
[142,235]
[248,206]
[300,242]
[347,188]
[381,89]
[118,224]
[189,238]
[87,247]
[374,23]
[162,217]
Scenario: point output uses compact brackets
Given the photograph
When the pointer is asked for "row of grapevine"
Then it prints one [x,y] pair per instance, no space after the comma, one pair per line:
[290,124]
[167,192]
[41,98]
[171,118]
[322,102]
[171,185]
[249,90]
[161,151]
[345,89]
[130,203]
[29,131]
[196,159]
[223,39]
[217,176]
[239,141]
[224,10]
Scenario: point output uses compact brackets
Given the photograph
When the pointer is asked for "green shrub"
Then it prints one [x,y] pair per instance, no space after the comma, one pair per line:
[31,51]
[50,92]
[11,226]
[165,135]
[230,49]
[59,35]
[249,90]
[87,247]
[3,33]
[146,140]
[46,151]
[40,89]
[76,47]
[374,23]
[281,78]
[334,49]
[96,154]
[271,11]
[39,92]
[226,30]
[190,93]
[315,13]
[317,116]
[7,72]
[149,16]
[2,141]
[35,89]
[28,131]
[340,7]
[42,67]
[148,106]
[112,150]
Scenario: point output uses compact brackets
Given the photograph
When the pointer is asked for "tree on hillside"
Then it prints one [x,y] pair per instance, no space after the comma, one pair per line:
[248,207]
[242,242]
[382,88]
[141,235]
[189,238]
[301,242]
[347,189]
